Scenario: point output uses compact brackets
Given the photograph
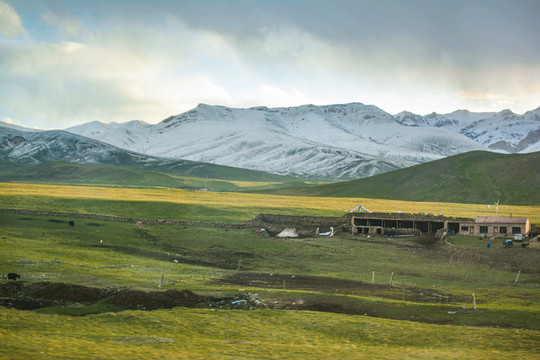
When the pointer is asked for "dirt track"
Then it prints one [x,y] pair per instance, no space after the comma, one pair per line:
[340,286]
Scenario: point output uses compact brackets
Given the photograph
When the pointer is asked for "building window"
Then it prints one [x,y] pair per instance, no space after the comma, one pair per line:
[502,230]
[464,228]
[483,229]
[516,229]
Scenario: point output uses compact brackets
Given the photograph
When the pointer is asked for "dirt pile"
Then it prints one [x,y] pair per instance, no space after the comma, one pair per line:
[28,296]
[64,292]
[137,299]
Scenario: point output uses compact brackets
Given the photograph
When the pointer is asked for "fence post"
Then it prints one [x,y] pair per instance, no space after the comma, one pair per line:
[161,281]
[391,278]
[473,301]
[517,277]
[373,277]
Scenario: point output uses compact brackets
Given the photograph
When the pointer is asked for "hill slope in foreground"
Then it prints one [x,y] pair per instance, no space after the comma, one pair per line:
[171,174]
[474,177]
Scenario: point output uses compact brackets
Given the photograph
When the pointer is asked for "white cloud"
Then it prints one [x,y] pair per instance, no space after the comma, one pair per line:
[11,121]
[67,24]
[10,22]
[271,96]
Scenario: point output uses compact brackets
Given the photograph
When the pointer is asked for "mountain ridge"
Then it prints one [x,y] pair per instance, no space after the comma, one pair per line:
[35,148]
[330,142]
[336,142]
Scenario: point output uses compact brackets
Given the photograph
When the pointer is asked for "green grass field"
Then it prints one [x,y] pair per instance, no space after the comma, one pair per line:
[473,177]
[426,313]
[181,174]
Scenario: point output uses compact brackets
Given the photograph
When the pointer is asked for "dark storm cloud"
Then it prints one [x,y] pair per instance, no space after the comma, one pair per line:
[496,31]
[122,60]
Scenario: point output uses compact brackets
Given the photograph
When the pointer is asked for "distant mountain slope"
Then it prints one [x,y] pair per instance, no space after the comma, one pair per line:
[474,177]
[35,148]
[44,146]
[334,142]
[106,175]
[17,127]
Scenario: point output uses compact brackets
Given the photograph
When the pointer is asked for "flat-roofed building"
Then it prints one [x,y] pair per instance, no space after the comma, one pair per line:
[390,223]
[496,226]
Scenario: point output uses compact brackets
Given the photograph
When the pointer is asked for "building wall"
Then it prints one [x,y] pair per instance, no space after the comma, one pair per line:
[491,230]
[379,223]
[497,229]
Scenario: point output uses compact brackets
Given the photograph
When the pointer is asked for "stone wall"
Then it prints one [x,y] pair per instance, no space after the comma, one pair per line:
[299,221]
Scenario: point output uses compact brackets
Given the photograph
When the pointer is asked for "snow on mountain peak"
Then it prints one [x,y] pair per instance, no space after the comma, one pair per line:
[332,142]
[340,141]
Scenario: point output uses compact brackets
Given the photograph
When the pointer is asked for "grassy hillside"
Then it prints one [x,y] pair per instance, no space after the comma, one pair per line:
[212,171]
[178,174]
[475,177]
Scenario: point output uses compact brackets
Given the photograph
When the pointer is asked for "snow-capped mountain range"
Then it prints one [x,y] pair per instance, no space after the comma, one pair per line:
[333,142]
[503,131]
[36,147]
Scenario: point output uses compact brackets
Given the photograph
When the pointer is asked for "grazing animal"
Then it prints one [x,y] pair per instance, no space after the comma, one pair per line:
[72,223]
[13,276]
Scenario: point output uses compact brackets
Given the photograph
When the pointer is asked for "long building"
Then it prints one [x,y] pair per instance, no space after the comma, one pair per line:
[388,223]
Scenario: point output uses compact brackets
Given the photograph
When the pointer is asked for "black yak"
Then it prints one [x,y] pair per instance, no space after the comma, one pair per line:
[13,276]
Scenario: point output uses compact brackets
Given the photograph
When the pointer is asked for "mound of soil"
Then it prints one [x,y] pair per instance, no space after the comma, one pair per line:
[65,292]
[137,299]
[24,295]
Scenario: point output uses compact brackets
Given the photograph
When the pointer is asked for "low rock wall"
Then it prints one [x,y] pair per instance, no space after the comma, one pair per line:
[123,219]
[300,221]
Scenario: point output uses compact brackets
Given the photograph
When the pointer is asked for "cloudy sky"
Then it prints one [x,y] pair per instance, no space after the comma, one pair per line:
[64,62]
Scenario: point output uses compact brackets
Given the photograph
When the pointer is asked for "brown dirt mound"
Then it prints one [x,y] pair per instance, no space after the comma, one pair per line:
[11,287]
[65,292]
[136,299]
[28,296]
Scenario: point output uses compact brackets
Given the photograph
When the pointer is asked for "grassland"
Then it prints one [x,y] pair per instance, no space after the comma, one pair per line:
[426,313]
[261,334]
[224,207]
